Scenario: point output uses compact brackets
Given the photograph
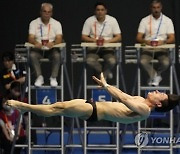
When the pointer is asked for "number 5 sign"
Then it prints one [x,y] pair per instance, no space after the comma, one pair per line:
[101,95]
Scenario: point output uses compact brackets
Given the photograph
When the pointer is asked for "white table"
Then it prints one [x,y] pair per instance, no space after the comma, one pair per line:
[61,45]
[117,47]
[105,45]
[164,46]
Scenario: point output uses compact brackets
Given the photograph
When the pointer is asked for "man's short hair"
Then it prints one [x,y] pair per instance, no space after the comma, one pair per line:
[156,1]
[49,4]
[169,104]
[100,3]
[8,56]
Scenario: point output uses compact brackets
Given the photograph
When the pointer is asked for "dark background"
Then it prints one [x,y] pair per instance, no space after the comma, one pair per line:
[16,15]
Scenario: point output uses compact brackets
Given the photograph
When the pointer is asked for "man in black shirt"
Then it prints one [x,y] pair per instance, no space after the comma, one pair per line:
[11,72]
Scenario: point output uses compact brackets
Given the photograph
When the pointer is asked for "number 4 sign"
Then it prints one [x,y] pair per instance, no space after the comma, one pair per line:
[46,96]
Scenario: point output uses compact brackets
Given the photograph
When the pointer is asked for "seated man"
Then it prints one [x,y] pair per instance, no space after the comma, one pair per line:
[101,26]
[156,27]
[11,72]
[44,33]
[129,109]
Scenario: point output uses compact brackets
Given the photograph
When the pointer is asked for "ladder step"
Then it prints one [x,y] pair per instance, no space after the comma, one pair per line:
[21,145]
[130,51]
[102,128]
[73,146]
[95,86]
[101,147]
[154,88]
[46,128]
[46,87]
[131,56]
[46,146]
[156,148]
[149,148]
[176,146]
[131,61]
[156,129]
[50,149]
[129,146]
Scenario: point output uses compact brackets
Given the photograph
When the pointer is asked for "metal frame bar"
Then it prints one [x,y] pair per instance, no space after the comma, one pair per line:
[170,88]
[115,147]
[61,87]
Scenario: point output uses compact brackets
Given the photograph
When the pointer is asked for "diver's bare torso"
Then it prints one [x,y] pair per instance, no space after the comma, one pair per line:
[118,112]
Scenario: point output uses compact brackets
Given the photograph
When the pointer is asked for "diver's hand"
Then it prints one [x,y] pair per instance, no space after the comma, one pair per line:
[15,104]
[101,82]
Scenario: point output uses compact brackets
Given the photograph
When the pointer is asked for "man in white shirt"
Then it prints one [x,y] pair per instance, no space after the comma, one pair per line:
[106,27]
[44,33]
[159,28]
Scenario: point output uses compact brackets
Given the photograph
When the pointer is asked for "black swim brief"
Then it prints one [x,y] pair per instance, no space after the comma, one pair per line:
[93,116]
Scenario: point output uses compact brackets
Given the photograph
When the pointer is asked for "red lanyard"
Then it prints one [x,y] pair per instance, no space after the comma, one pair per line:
[95,30]
[6,121]
[49,27]
[150,26]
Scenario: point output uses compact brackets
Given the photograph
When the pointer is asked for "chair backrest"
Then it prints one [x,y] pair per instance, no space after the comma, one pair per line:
[131,56]
[20,53]
[76,53]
